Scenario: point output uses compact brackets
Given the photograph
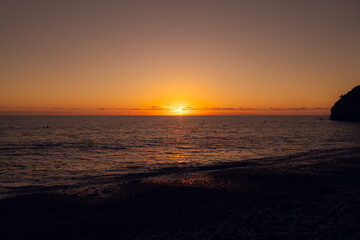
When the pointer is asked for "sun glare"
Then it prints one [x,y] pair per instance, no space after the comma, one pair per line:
[179,111]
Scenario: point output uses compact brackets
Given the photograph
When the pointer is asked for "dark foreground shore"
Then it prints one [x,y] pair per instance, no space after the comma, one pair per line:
[313,197]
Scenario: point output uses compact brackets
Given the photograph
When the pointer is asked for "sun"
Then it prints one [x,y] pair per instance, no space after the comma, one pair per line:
[179,111]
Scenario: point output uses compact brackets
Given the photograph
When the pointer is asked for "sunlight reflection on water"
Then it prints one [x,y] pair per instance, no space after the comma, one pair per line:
[45,151]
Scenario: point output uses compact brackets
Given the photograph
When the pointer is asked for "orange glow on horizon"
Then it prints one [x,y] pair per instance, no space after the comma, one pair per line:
[127,58]
[165,111]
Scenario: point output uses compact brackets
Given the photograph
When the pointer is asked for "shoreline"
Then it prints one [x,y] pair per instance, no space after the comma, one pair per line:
[176,172]
[314,197]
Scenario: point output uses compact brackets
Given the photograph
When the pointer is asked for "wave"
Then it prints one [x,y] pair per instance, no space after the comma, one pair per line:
[65,145]
[87,181]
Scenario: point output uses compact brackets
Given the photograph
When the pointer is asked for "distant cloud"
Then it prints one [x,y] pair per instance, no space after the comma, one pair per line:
[298,109]
[156,108]
[194,109]
[226,108]
[319,108]
[277,109]
[160,108]
[247,109]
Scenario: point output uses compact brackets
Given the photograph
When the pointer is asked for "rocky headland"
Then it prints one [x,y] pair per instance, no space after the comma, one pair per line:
[347,108]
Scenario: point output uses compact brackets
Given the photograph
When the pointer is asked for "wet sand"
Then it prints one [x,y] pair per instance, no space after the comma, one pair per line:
[316,196]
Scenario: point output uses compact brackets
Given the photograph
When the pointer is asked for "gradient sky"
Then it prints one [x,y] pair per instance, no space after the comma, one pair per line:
[157,57]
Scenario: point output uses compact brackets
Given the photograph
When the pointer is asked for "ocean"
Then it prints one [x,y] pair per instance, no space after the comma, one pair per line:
[52,152]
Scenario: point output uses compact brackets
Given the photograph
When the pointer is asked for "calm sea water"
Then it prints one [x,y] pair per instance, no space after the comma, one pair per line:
[64,151]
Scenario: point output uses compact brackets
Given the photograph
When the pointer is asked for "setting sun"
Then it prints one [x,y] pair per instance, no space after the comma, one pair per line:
[179,111]
[180,119]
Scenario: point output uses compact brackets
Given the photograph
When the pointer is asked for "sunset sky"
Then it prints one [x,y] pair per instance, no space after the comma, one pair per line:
[177,57]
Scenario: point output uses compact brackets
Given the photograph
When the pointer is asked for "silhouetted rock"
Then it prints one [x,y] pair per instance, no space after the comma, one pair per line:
[347,108]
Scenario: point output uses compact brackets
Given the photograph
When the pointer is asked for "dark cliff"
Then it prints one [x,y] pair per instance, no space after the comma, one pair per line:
[347,108]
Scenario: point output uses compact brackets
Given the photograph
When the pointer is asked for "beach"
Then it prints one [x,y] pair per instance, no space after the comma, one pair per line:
[180,120]
[311,196]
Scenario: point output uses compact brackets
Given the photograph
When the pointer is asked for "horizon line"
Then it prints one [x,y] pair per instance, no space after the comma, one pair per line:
[158,115]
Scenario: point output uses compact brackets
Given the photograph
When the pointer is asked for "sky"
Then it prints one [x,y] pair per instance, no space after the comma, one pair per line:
[166,57]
